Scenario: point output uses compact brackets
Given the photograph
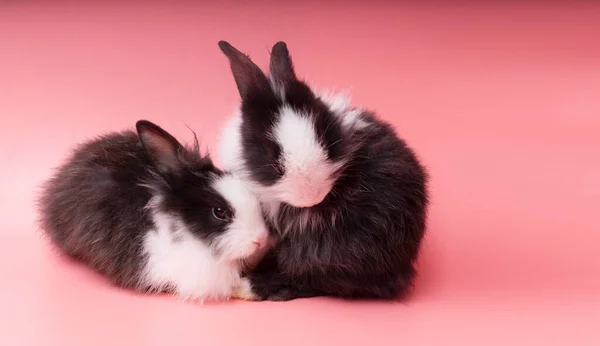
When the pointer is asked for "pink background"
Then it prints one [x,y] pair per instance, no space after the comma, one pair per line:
[502,102]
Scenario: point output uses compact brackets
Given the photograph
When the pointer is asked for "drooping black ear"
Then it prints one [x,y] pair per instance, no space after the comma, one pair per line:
[162,148]
[247,75]
[281,67]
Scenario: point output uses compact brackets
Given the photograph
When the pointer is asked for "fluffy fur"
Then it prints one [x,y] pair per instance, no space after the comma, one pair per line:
[346,196]
[154,216]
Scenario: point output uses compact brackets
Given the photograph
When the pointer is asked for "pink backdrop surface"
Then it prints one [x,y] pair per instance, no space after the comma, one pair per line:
[502,102]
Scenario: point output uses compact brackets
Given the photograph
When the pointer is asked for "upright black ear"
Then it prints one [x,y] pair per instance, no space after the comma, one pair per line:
[247,75]
[162,148]
[281,67]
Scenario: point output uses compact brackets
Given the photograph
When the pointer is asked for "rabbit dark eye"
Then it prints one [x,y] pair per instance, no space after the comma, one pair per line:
[221,213]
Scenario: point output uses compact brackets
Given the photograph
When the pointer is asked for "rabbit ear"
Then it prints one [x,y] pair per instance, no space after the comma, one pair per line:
[162,148]
[281,68]
[247,75]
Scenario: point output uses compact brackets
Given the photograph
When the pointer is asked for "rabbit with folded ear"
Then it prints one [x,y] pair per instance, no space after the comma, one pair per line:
[154,216]
[346,196]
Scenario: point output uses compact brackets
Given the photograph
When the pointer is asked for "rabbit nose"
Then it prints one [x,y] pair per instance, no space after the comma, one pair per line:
[260,242]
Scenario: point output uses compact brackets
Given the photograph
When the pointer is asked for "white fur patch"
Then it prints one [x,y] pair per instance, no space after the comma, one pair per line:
[178,259]
[308,174]
[230,144]
[243,291]
[337,103]
[340,105]
[296,134]
[248,229]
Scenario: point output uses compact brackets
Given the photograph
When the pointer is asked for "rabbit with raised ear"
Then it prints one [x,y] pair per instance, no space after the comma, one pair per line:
[346,196]
[154,216]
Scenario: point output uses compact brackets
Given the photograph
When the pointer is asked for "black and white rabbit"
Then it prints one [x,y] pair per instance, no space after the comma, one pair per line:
[153,215]
[348,198]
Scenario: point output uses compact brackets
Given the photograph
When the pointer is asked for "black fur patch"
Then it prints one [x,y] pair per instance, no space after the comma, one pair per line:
[262,153]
